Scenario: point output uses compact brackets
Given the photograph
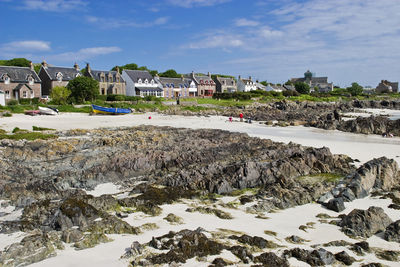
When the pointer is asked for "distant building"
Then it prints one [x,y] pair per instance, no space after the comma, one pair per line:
[387,87]
[177,87]
[206,87]
[275,88]
[141,83]
[19,82]
[56,76]
[320,82]
[260,86]
[246,85]
[225,84]
[289,87]
[110,82]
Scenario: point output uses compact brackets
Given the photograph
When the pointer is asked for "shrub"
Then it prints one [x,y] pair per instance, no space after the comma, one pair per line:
[36,128]
[7,114]
[12,103]
[16,130]
[302,88]
[290,93]
[59,95]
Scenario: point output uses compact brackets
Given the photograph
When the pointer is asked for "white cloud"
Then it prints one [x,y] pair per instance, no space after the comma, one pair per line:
[194,3]
[243,22]
[85,53]
[26,46]
[53,5]
[119,23]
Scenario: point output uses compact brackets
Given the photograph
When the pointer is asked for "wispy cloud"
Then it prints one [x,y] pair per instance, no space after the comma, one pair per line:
[84,53]
[53,5]
[243,22]
[194,3]
[119,23]
[26,46]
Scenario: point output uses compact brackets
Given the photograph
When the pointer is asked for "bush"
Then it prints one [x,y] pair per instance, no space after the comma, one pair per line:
[235,95]
[12,103]
[302,88]
[102,97]
[29,101]
[7,114]
[290,93]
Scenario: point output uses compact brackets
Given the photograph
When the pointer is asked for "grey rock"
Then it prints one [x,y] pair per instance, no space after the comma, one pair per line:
[392,232]
[336,204]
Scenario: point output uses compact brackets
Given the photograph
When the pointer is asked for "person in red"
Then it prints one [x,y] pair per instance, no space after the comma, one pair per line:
[241,117]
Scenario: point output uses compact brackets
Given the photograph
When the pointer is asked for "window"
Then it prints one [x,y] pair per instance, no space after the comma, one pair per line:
[152,82]
[59,76]
[172,85]
[7,94]
[30,80]
[110,79]
[24,94]
[6,79]
[146,81]
[140,81]
[117,79]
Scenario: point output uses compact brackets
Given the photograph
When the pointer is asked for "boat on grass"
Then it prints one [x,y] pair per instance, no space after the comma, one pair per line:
[110,111]
[48,111]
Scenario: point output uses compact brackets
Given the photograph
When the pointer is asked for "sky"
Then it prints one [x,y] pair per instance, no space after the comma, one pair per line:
[274,40]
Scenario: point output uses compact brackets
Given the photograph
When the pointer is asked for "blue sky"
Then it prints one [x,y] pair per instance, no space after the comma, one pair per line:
[273,40]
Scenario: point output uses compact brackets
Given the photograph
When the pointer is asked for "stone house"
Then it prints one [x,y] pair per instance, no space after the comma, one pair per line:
[225,84]
[206,87]
[387,87]
[19,82]
[320,82]
[110,82]
[141,83]
[56,76]
[246,85]
[177,87]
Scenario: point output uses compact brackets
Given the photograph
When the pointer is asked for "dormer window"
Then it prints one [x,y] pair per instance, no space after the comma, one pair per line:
[146,81]
[7,79]
[78,75]
[59,76]
[152,82]
[30,80]
[140,81]
[172,85]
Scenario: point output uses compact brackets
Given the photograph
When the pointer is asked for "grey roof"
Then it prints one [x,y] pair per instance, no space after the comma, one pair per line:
[18,74]
[289,87]
[19,86]
[247,80]
[135,75]
[200,78]
[313,80]
[97,73]
[228,81]
[67,73]
[176,82]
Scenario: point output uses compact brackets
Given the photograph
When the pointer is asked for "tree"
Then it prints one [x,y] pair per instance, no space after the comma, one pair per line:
[355,89]
[59,95]
[83,89]
[18,62]
[134,66]
[171,73]
[265,83]
[289,82]
[302,88]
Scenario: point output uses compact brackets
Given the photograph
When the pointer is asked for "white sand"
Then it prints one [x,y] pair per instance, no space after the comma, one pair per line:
[104,189]
[357,146]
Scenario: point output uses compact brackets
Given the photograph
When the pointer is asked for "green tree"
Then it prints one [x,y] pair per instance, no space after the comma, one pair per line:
[355,89]
[134,66]
[289,82]
[302,88]
[83,89]
[171,73]
[18,62]
[59,95]
[265,83]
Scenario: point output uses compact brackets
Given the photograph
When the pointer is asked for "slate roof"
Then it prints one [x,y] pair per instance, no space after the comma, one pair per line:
[289,87]
[19,86]
[245,81]
[314,80]
[200,78]
[176,82]
[228,81]
[18,74]
[67,73]
[96,75]
[135,75]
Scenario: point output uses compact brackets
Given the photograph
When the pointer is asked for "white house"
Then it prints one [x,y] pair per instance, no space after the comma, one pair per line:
[141,83]
[246,85]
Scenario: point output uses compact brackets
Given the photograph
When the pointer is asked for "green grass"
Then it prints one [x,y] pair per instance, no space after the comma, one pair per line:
[28,136]
[36,128]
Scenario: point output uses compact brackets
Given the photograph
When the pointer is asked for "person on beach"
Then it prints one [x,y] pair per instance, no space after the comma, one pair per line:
[241,117]
[230,119]
[384,135]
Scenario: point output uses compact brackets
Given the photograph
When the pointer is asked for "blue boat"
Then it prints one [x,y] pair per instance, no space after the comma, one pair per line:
[110,111]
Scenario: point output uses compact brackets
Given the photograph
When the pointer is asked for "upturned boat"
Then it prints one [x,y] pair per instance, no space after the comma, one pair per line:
[48,111]
[110,111]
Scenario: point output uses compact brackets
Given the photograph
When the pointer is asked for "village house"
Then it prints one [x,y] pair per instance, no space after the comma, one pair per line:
[19,82]
[275,88]
[56,76]
[387,87]
[225,84]
[177,87]
[321,83]
[260,86]
[110,82]
[246,85]
[141,83]
[205,85]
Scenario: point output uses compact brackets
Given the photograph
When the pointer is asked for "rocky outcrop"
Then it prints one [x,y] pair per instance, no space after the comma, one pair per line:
[365,223]
[392,232]
[319,257]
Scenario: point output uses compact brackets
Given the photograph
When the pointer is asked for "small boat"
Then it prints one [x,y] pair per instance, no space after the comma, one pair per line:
[32,112]
[110,111]
[48,111]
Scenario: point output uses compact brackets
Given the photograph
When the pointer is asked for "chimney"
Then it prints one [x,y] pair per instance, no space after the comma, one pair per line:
[192,75]
[117,67]
[209,74]
[44,64]
[88,69]
[32,67]
[76,66]
[182,78]
[250,78]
